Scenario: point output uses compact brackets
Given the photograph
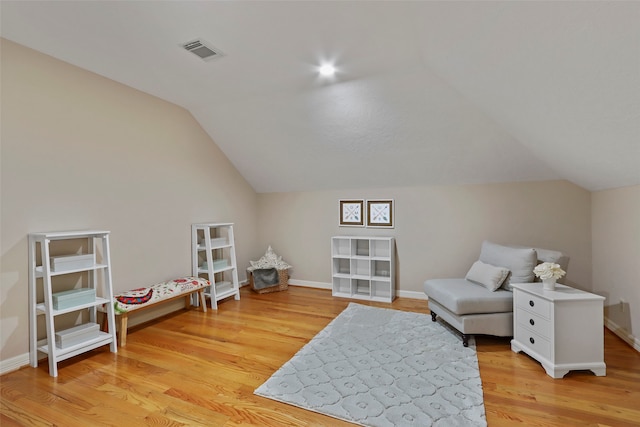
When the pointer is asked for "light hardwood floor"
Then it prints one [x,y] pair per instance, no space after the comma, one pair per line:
[194,368]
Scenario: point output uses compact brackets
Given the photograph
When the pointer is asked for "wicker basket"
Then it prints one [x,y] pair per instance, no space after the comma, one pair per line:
[283,283]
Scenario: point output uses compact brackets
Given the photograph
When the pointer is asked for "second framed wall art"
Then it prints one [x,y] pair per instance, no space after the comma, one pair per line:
[376,213]
[380,213]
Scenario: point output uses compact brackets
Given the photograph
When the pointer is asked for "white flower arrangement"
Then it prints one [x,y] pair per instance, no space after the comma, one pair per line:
[548,270]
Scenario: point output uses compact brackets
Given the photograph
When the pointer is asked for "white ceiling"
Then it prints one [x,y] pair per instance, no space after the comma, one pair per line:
[426,92]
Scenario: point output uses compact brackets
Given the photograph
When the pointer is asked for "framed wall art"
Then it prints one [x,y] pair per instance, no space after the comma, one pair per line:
[352,213]
[380,213]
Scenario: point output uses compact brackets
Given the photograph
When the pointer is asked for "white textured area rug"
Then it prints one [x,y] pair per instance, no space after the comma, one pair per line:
[381,367]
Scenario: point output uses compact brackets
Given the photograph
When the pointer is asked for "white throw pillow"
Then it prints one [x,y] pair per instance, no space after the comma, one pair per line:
[487,275]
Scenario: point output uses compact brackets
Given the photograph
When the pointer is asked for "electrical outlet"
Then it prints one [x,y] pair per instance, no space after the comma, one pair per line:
[622,304]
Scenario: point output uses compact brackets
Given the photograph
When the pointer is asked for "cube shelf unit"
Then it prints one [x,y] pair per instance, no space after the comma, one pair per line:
[41,295]
[363,268]
[214,254]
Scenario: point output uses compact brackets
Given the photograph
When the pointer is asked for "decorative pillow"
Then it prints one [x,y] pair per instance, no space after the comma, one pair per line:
[519,261]
[135,296]
[487,275]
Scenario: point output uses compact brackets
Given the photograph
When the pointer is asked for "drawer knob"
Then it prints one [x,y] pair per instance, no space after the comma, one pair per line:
[531,322]
[532,341]
[531,303]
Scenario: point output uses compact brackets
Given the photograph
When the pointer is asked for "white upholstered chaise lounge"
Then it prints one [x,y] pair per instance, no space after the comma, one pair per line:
[482,302]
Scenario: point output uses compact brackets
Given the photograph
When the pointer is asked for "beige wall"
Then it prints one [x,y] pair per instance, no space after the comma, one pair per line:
[616,258]
[80,151]
[438,229]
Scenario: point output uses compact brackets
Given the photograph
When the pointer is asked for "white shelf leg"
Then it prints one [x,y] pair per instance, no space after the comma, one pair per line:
[46,270]
[33,317]
[113,346]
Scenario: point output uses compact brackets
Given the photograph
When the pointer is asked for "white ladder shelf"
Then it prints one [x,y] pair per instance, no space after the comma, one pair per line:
[41,276]
[214,254]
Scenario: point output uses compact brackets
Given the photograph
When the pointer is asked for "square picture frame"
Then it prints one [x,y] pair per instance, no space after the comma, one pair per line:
[380,213]
[352,213]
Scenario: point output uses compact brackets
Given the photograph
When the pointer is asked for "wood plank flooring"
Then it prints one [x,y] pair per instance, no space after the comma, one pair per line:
[194,368]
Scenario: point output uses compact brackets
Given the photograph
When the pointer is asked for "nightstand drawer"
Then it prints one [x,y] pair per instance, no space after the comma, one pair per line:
[533,304]
[533,341]
[534,323]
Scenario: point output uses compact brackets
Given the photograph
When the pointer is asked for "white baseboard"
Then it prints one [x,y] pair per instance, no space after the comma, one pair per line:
[413,295]
[622,333]
[310,284]
[324,285]
[14,363]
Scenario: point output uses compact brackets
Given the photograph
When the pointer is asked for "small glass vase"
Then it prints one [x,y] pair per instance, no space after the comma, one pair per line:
[549,284]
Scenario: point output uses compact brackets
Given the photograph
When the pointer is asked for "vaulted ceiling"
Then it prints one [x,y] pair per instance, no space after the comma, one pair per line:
[433,92]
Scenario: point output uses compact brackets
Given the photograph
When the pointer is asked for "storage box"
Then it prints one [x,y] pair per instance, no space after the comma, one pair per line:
[72,262]
[77,334]
[219,264]
[223,287]
[73,297]
[219,241]
[215,242]
[282,285]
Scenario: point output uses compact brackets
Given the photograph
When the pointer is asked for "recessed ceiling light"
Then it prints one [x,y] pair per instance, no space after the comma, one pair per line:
[327,70]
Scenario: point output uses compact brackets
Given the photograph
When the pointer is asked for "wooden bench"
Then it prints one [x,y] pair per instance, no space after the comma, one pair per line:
[143,298]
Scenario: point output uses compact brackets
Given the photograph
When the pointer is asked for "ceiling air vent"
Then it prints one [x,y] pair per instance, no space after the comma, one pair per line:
[202,49]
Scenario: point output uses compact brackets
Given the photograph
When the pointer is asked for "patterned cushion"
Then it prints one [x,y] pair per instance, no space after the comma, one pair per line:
[137,298]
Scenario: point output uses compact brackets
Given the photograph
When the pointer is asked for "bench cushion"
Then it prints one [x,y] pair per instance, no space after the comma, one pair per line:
[143,297]
[461,296]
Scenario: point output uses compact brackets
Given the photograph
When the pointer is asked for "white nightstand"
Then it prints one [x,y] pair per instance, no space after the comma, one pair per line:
[562,329]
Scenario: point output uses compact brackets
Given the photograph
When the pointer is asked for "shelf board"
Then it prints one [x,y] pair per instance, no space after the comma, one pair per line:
[41,309]
[362,296]
[381,298]
[226,293]
[54,235]
[73,350]
[204,248]
[341,294]
[202,225]
[40,273]
[381,278]
[204,270]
